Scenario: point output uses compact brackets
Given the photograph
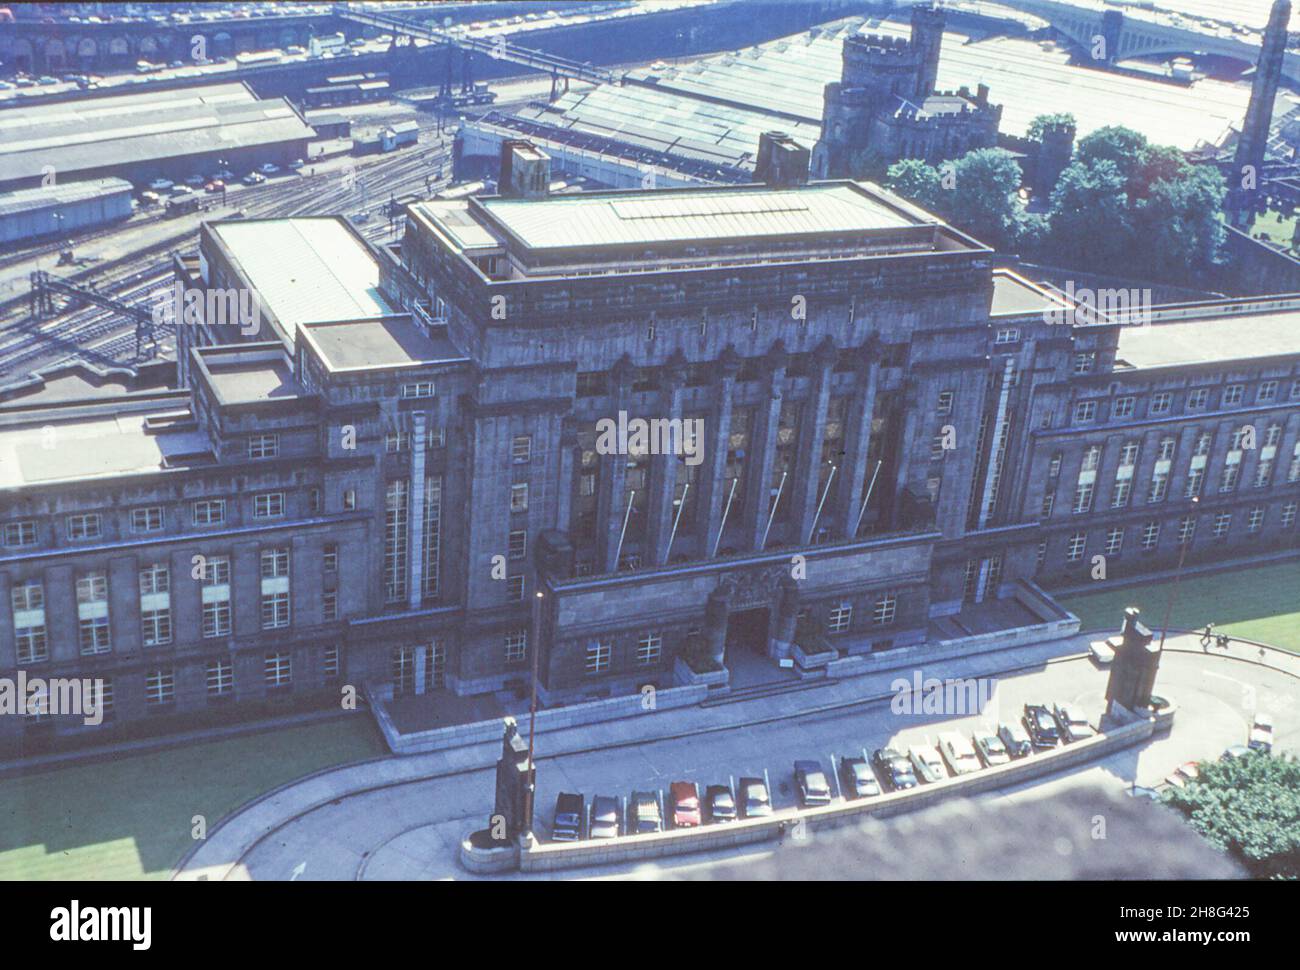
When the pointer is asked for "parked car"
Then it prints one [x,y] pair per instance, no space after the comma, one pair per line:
[1016,740]
[1261,733]
[958,753]
[1188,771]
[253,178]
[1041,726]
[297,164]
[604,822]
[150,198]
[990,749]
[195,181]
[1235,752]
[216,185]
[895,770]
[814,787]
[857,779]
[927,762]
[644,814]
[161,185]
[754,799]
[269,168]
[567,823]
[721,804]
[685,798]
[1074,726]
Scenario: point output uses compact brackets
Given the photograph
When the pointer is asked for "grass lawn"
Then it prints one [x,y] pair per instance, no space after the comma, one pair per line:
[1257,602]
[1279,228]
[131,818]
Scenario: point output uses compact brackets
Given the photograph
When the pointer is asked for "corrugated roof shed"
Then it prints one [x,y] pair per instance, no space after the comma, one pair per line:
[33,200]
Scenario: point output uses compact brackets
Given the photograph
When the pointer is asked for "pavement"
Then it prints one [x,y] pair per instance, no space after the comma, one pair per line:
[404,817]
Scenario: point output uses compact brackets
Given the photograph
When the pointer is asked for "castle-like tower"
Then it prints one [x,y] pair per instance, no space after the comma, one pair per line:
[885,103]
[1248,164]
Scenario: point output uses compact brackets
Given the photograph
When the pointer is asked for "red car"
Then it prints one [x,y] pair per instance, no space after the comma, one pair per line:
[685,797]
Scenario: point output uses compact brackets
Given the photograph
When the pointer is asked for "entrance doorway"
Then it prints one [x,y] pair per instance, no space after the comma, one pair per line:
[747,633]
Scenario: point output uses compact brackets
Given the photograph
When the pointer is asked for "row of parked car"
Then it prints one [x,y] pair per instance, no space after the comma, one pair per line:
[858,775]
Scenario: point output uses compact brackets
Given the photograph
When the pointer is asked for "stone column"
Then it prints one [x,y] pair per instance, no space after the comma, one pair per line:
[758,466]
[807,476]
[715,624]
[909,446]
[663,468]
[787,615]
[124,606]
[612,505]
[61,624]
[855,473]
[714,483]
[564,500]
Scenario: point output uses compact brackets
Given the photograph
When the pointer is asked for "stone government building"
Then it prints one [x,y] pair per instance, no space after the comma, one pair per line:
[374,488]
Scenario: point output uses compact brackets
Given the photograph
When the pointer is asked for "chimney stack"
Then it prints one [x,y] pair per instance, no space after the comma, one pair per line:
[781,160]
[525,170]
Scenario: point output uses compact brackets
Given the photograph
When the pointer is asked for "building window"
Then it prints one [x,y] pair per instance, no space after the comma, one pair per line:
[1083,363]
[330,557]
[395,540]
[840,618]
[84,526]
[263,445]
[278,670]
[649,648]
[521,449]
[216,597]
[210,511]
[1114,541]
[945,403]
[518,544]
[1085,411]
[159,687]
[275,588]
[519,497]
[147,519]
[330,662]
[1288,515]
[1075,546]
[515,587]
[1186,529]
[105,699]
[349,499]
[92,614]
[1150,536]
[395,441]
[1295,389]
[1230,474]
[1054,466]
[1049,501]
[1267,392]
[1161,402]
[886,609]
[1007,335]
[269,505]
[1123,407]
[1083,497]
[406,663]
[329,603]
[220,678]
[1255,520]
[1222,522]
[598,656]
[516,646]
[28,602]
[20,534]
[155,605]
[418,389]
[431,574]
[1198,398]
[313,500]
[1232,394]
[1040,554]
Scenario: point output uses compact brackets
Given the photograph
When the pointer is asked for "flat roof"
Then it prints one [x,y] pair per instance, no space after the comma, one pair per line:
[248,382]
[1015,296]
[91,447]
[1222,338]
[305,269]
[683,215]
[395,341]
[94,133]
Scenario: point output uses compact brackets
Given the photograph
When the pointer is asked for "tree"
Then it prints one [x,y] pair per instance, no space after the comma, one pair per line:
[983,200]
[1089,216]
[1179,222]
[1126,148]
[917,181]
[1249,807]
[1042,122]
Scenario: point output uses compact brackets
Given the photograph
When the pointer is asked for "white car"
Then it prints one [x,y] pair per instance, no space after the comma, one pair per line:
[959,753]
[1261,733]
[1103,651]
[928,764]
[1074,726]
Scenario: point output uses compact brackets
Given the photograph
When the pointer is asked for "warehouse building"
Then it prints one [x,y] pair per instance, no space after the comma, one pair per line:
[403,478]
[140,137]
[31,214]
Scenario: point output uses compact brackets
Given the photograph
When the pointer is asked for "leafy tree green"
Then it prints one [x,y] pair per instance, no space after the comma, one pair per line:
[1178,222]
[983,197]
[1122,146]
[1039,124]
[1089,217]
[1249,807]
[917,181]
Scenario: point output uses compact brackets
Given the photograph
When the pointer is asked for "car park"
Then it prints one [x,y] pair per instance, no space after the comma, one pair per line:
[926,760]
[991,749]
[754,799]
[685,797]
[814,788]
[643,813]
[604,822]
[195,181]
[566,825]
[721,804]
[958,753]
[1042,727]
[857,779]
[1016,739]
[895,770]
[1261,733]
[1074,726]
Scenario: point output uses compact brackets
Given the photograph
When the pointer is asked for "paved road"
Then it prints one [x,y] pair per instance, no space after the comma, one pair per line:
[412,831]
